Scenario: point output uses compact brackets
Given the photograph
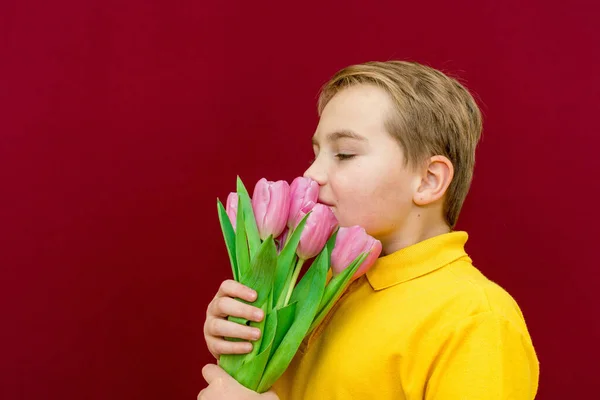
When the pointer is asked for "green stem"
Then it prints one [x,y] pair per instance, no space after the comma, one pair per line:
[293,281]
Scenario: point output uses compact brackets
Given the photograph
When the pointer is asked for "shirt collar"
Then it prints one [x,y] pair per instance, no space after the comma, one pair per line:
[417,260]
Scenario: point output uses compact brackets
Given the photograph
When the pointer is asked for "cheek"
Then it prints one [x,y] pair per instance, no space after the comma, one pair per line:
[377,202]
[359,199]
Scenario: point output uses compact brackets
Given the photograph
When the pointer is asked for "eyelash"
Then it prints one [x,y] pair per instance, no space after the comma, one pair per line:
[340,156]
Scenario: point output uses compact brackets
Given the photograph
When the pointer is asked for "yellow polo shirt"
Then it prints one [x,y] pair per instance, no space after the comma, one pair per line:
[423,323]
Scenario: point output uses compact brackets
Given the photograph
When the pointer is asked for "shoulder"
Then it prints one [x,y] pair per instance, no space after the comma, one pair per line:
[470,294]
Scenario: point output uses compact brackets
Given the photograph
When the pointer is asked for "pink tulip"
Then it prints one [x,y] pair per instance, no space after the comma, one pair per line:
[303,191]
[349,244]
[319,226]
[271,205]
[231,208]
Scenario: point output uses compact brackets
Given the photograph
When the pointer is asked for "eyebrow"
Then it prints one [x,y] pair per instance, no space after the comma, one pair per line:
[341,134]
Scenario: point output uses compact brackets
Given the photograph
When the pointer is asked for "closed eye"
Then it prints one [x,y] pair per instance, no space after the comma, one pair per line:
[342,156]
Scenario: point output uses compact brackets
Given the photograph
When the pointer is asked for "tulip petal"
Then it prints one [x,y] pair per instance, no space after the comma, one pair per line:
[351,242]
[318,229]
[278,208]
[231,208]
[374,249]
[271,204]
[260,205]
[303,190]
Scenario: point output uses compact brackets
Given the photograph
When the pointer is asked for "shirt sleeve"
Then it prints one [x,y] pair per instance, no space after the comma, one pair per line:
[484,357]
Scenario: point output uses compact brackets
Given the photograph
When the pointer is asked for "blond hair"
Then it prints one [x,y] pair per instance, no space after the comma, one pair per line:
[433,115]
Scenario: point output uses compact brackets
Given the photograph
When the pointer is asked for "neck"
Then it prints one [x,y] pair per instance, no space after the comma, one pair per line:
[414,231]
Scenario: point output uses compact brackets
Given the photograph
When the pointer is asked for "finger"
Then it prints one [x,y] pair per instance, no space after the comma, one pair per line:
[221,346]
[225,306]
[232,288]
[223,328]
[213,373]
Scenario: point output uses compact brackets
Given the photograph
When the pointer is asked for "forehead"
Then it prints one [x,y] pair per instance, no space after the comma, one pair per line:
[361,109]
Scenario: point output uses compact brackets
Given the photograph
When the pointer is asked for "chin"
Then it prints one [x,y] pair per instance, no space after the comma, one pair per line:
[348,222]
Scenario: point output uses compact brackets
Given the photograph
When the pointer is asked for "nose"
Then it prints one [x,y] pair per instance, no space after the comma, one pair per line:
[316,173]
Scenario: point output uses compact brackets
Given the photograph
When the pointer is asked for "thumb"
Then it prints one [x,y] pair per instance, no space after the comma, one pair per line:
[214,373]
[270,395]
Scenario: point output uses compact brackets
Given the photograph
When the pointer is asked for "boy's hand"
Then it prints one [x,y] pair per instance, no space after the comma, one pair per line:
[223,386]
[216,326]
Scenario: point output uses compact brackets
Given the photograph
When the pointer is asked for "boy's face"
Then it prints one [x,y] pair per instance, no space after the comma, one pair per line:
[360,166]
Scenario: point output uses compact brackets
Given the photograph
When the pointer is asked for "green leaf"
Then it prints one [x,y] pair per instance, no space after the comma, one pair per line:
[261,326]
[270,329]
[249,219]
[338,283]
[238,320]
[261,273]
[241,244]
[229,236]
[286,262]
[304,288]
[252,369]
[331,244]
[281,268]
[335,288]
[260,278]
[285,318]
[232,363]
[308,295]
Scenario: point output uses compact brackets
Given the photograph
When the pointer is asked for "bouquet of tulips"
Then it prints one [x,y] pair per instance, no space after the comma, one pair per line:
[269,238]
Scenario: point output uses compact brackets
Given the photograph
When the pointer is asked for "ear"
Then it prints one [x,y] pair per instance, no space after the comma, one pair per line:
[437,175]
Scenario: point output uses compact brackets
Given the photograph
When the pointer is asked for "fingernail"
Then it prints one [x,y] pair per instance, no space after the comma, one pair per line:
[252,294]
[258,315]
[255,333]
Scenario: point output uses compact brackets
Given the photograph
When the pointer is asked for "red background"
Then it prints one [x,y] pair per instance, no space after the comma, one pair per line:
[121,121]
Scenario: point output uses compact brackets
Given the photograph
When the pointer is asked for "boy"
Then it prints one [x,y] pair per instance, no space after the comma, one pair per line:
[394,153]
